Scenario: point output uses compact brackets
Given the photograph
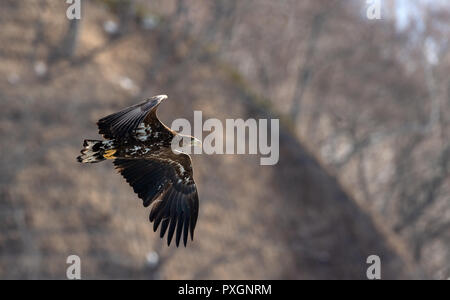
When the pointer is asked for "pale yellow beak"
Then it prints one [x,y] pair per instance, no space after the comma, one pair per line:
[196,142]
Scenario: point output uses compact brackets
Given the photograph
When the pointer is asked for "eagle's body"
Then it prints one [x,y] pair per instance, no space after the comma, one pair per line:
[142,149]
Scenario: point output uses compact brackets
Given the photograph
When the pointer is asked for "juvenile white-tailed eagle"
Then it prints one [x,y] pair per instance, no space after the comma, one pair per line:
[141,147]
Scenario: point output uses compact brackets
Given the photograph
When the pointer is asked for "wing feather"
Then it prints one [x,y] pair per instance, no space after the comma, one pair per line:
[179,226]
[165,182]
[123,124]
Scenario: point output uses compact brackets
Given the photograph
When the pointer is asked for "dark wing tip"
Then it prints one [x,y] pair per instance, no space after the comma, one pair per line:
[174,199]
[177,214]
[121,124]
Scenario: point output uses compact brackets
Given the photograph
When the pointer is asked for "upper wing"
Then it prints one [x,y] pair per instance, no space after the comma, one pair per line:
[169,179]
[135,121]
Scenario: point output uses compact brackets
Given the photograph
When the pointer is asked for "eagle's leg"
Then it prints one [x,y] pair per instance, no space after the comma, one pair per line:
[109,154]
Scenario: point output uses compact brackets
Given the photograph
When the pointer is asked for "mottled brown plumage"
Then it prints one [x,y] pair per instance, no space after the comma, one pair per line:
[141,147]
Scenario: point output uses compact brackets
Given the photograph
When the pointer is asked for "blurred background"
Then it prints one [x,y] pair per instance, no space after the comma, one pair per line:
[364,146]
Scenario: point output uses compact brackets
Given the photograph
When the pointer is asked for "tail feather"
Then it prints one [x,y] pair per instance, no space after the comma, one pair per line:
[93,151]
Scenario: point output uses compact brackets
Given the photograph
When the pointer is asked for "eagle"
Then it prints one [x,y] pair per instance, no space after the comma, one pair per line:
[142,149]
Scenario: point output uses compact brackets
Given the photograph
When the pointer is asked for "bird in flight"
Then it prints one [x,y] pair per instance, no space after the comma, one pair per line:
[160,173]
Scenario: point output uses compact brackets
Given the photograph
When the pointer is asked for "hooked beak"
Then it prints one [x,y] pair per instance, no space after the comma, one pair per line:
[196,142]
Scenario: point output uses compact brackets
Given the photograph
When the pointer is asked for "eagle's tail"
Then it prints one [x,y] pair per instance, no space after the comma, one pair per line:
[96,151]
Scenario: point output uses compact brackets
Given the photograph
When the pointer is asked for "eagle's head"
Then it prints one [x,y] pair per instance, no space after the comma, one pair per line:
[183,143]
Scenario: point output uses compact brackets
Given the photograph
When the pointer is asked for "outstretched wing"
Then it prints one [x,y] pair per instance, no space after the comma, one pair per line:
[167,182]
[137,121]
